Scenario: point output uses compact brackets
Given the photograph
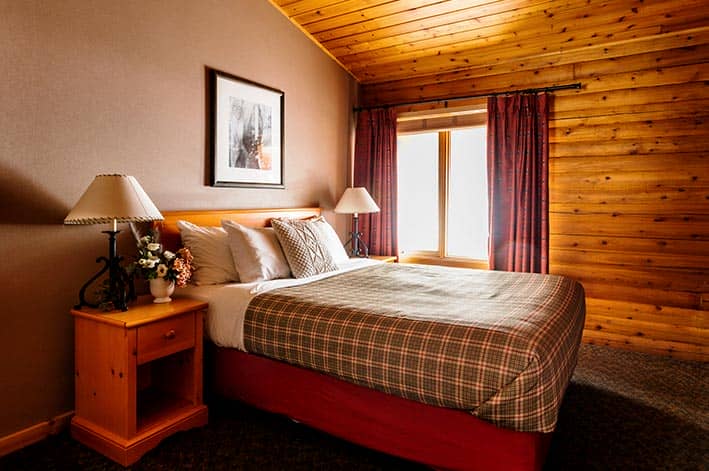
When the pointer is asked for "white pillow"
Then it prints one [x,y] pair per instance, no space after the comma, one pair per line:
[256,253]
[330,239]
[213,263]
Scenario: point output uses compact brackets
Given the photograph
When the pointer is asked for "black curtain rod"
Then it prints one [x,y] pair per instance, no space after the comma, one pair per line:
[568,86]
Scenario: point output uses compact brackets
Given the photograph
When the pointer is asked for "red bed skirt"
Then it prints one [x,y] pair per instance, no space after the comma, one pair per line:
[442,438]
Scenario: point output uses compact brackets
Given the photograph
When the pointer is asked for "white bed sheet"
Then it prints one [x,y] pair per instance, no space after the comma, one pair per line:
[228,302]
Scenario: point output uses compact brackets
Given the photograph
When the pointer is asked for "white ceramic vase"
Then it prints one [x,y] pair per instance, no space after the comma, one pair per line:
[161,289]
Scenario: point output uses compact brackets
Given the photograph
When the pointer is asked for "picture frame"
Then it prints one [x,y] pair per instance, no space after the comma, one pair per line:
[247,133]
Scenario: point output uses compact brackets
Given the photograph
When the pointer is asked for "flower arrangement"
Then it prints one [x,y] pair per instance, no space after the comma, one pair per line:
[154,262]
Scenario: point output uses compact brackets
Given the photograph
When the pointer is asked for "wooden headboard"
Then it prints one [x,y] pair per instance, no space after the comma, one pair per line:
[170,235]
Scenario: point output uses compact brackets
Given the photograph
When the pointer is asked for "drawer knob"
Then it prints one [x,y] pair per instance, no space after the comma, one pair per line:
[170,334]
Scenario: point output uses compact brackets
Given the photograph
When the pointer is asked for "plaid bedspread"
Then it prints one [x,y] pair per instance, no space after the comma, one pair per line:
[500,345]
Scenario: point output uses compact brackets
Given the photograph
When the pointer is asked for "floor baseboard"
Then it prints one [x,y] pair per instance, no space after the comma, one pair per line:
[35,433]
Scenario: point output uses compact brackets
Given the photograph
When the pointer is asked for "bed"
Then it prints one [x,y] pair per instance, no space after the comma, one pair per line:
[459,393]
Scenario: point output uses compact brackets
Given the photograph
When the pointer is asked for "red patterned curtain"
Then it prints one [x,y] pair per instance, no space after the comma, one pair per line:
[517,162]
[375,169]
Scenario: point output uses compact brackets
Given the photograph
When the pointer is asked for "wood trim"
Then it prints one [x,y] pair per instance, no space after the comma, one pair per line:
[444,147]
[439,122]
[170,234]
[441,119]
[434,259]
[480,106]
[35,433]
[385,258]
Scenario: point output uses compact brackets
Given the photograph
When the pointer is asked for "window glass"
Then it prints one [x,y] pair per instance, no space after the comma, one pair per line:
[467,195]
[418,191]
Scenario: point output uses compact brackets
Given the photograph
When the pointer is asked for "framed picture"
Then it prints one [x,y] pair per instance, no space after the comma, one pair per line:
[247,133]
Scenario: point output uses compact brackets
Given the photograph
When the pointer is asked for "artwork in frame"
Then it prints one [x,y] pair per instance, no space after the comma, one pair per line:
[247,133]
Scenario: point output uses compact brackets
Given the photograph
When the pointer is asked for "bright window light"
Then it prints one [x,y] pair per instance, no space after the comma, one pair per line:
[418,191]
[467,194]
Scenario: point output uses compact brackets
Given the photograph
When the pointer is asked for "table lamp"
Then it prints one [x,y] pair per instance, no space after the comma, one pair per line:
[356,200]
[112,199]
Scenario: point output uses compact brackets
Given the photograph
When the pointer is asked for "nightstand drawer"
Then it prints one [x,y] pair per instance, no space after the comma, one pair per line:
[163,338]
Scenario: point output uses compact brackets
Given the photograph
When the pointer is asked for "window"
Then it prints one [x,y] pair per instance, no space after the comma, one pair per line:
[443,210]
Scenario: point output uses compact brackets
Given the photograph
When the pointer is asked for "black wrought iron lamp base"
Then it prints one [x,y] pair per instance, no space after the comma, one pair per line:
[358,247]
[120,285]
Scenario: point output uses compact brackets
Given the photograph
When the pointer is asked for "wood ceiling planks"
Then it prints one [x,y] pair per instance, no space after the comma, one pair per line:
[383,40]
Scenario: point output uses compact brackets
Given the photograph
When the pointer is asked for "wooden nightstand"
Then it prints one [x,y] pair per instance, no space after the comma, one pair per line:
[384,258]
[138,376]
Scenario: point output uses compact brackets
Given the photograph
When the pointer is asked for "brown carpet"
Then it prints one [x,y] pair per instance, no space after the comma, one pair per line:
[631,411]
[622,411]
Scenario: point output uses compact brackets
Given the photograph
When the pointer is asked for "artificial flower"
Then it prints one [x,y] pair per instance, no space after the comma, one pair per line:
[153,262]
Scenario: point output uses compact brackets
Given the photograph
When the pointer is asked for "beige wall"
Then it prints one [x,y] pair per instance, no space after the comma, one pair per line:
[119,87]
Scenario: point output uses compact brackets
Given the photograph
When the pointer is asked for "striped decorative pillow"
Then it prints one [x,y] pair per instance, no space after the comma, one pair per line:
[304,247]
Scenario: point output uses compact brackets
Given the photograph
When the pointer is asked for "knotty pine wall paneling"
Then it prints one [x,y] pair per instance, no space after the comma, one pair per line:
[629,168]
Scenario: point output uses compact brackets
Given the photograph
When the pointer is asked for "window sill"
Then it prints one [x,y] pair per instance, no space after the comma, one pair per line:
[430,259]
